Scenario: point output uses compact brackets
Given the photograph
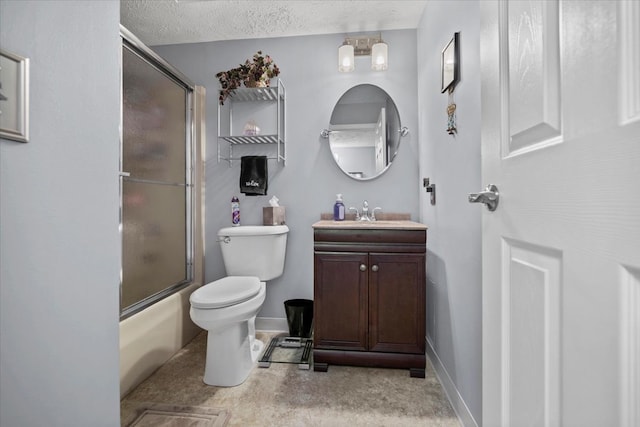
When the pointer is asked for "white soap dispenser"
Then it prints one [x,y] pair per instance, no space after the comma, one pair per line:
[338,209]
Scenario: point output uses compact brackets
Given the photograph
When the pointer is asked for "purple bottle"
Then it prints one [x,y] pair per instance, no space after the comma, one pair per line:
[338,209]
[235,211]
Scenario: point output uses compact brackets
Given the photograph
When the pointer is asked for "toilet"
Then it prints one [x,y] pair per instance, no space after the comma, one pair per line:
[227,307]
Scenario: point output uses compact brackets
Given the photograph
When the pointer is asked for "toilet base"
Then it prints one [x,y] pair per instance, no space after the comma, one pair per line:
[231,354]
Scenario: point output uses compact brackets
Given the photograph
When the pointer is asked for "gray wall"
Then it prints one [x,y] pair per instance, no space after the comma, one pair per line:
[59,242]
[307,185]
[454,298]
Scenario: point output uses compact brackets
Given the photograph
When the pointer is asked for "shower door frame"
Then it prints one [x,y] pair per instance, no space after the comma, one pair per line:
[135,46]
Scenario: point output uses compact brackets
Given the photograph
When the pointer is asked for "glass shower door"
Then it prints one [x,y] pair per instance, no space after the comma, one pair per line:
[155,161]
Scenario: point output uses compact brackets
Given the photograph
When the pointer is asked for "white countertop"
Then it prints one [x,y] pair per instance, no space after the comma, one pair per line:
[383,224]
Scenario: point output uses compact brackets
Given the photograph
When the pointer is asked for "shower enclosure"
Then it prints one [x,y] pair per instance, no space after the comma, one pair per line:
[156,164]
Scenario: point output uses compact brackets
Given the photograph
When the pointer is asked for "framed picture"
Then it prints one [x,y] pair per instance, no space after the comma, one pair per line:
[14,97]
[450,64]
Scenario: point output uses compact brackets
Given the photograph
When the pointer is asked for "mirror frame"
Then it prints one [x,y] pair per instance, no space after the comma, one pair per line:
[450,64]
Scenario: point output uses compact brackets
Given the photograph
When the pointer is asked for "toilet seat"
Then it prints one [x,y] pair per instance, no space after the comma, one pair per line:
[225,292]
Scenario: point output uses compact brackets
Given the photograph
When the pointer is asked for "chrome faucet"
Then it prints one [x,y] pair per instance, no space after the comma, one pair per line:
[357,213]
[364,216]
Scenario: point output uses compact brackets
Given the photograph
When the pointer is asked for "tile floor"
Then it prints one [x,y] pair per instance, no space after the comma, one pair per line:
[283,395]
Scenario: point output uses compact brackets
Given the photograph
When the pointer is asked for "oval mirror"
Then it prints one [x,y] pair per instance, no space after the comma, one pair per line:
[364,133]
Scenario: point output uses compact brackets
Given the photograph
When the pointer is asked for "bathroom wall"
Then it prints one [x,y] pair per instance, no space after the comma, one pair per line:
[454,275]
[307,185]
[59,241]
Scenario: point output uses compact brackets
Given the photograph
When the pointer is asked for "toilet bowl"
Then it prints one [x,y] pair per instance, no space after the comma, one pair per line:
[227,307]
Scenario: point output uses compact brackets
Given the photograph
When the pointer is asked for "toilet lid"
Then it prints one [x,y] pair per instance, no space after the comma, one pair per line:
[225,292]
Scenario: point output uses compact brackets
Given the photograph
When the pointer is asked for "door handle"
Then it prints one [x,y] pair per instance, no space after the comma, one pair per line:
[363,267]
[490,197]
[430,188]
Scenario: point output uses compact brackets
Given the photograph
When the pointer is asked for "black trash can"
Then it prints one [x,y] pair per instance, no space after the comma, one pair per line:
[299,317]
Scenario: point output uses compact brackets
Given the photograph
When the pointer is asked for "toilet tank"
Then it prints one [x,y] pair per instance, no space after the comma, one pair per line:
[254,250]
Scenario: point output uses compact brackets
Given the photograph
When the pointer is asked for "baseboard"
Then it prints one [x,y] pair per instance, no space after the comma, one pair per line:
[456,400]
[272,324]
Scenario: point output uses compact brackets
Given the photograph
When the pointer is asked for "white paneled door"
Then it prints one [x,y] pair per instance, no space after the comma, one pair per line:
[561,253]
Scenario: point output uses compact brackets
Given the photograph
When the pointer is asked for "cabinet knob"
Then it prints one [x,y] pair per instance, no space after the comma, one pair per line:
[374,268]
[363,267]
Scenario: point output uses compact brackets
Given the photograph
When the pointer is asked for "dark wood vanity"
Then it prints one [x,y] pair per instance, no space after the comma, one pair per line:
[369,295]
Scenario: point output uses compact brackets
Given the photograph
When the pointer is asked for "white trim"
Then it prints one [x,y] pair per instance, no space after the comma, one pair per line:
[629,346]
[547,262]
[548,131]
[450,390]
[629,62]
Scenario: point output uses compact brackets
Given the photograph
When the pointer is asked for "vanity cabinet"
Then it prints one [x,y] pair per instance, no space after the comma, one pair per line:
[369,297]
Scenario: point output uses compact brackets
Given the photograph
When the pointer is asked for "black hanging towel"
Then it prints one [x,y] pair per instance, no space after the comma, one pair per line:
[254,175]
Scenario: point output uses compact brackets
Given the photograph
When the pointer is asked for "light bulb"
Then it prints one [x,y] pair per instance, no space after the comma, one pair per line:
[379,56]
[345,58]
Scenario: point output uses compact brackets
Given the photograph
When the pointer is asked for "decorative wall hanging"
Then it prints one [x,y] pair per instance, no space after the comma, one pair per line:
[14,97]
[450,65]
[451,116]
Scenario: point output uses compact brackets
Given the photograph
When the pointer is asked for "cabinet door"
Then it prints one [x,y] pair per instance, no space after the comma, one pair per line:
[340,295]
[397,303]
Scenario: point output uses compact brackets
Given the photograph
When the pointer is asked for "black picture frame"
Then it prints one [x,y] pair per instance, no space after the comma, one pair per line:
[450,64]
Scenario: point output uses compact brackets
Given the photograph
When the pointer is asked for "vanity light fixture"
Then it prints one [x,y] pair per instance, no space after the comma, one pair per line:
[365,45]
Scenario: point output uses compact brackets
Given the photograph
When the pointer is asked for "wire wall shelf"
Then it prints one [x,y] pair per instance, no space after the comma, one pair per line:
[229,135]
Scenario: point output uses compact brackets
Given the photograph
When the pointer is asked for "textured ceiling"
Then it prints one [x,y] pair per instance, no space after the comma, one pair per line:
[159,22]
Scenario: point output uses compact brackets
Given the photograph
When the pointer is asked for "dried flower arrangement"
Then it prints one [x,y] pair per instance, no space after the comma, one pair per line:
[253,73]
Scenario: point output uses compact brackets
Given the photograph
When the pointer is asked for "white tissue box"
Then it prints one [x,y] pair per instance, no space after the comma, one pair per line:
[273,215]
